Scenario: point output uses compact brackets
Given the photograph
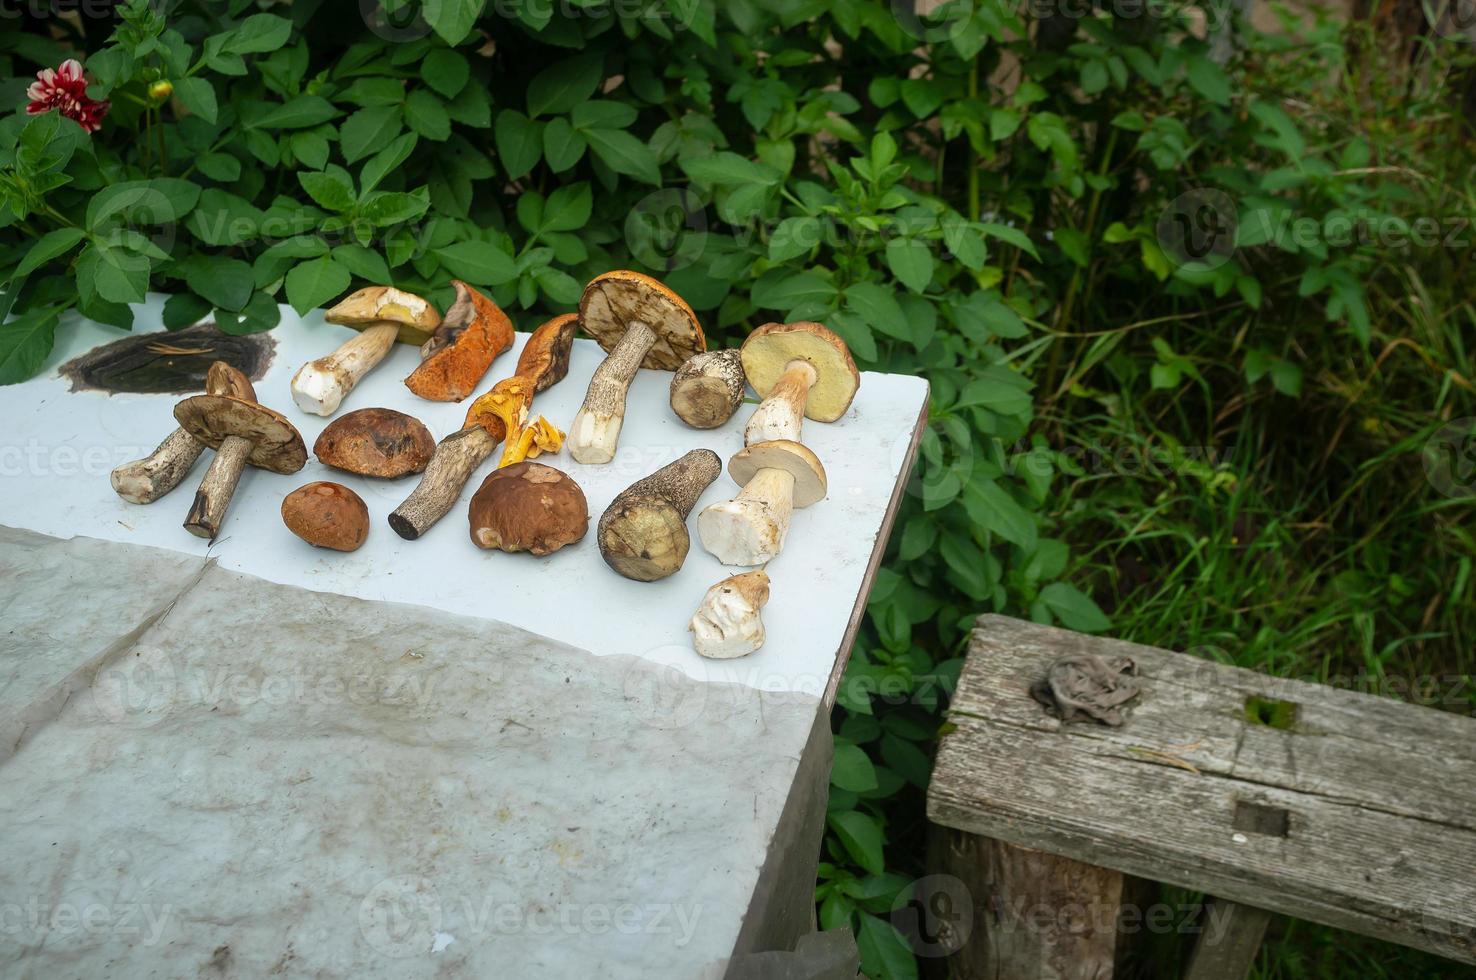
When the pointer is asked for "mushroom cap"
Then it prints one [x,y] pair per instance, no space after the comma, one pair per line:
[373,305]
[614,300]
[770,349]
[782,454]
[528,507]
[375,442]
[276,444]
[326,515]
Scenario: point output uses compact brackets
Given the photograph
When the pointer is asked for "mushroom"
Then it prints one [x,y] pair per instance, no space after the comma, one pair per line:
[383,315]
[641,323]
[528,507]
[326,515]
[643,533]
[799,370]
[240,432]
[727,624]
[706,390]
[777,476]
[144,481]
[544,361]
[454,359]
[375,442]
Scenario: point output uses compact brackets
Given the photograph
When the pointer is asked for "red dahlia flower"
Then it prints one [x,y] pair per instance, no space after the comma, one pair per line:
[65,90]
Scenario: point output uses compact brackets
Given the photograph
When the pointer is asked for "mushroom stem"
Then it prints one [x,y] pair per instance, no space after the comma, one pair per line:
[643,533]
[782,413]
[450,466]
[706,390]
[321,385]
[215,491]
[144,481]
[727,623]
[750,528]
[596,429]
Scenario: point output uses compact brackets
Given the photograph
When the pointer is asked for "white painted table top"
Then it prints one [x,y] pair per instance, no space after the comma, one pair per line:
[59,446]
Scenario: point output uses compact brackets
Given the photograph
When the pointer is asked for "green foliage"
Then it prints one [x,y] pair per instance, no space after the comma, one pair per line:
[1095,240]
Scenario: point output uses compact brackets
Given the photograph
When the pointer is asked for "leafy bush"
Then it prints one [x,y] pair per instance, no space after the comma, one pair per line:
[1029,208]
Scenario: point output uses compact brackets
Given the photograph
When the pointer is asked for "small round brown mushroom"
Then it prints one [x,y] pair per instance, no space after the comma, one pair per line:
[376,442]
[326,515]
[528,507]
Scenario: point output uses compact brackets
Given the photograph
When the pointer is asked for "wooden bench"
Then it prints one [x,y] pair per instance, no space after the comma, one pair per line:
[1271,795]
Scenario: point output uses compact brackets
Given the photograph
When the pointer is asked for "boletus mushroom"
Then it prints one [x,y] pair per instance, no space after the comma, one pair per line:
[144,481]
[706,390]
[471,336]
[800,370]
[240,432]
[728,623]
[777,476]
[528,507]
[642,323]
[326,515]
[382,315]
[543,362]
[643,533]
[375,442]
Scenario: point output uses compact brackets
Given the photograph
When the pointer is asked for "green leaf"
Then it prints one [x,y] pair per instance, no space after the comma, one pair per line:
[198,96]
[911,262]
[26,342]
[1012,236]
[260,313]
[861,837]
[225,282]
[568,208]
[794,237]
[258,34]
[146,202]
[362,262]
[332,189]
[49,246]
[368,130]
[121,276]
[453,20]
[384,208]
[519,142]
[879,308]
[603,114]
[446,71]
[729,168]
[784,290]
[884,950]
[298,113]
[624,154]
[313,283]
[991,505]
[562,144]
[1074,609]
[1208,79]
[852,769]
[310,148]
[425,114]
[479,263]
[386,160]
[184,309]
[564,84]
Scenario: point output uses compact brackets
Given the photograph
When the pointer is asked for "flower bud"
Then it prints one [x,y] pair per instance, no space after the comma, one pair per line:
[161,90]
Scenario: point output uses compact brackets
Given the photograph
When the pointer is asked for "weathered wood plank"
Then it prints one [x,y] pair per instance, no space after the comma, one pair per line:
[1361,815]
[1228,952]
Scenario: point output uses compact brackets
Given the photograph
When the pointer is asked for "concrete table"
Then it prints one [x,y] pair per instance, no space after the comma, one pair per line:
[418,758]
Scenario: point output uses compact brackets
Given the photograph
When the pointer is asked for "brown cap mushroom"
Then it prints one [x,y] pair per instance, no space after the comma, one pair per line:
[144,481]
[642,323]
[382,314]
[643,533]
[801,370]
[706,390]
[468,340]
[240,432]
[727,624]
[375,442]
[528,507]
[326,515]
[777,476]
[543,362]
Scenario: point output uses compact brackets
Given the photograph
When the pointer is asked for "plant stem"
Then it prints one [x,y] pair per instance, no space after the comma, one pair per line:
[973,153]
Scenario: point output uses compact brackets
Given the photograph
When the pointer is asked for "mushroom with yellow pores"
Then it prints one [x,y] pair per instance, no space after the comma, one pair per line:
[382,315]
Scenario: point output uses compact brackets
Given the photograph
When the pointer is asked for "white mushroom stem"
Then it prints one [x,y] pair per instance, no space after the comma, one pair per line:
[321,385]
[596,429]
[782,413]
[144,481]
[750,528]
[219,485]
[727,623]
